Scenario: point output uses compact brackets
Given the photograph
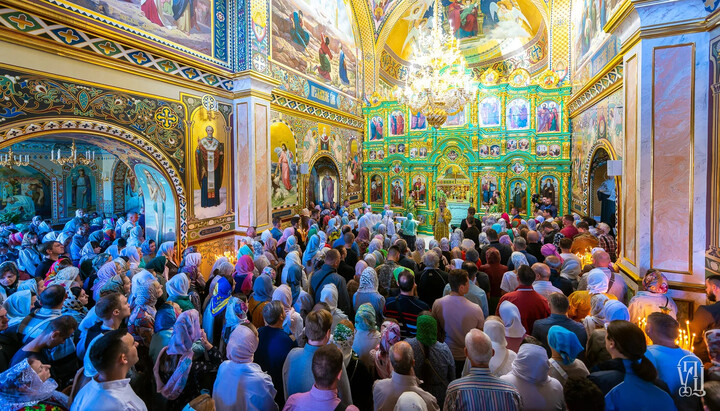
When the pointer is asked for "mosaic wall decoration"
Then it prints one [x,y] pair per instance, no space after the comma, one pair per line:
[513,143]
[326,149]
[599,125]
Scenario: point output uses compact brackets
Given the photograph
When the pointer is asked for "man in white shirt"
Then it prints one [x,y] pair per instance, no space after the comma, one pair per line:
[132,219]
[542,284]
[113,355]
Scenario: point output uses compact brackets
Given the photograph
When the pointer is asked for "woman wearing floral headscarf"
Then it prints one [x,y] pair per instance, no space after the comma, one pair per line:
[367,336]
[244,271]
[74,304]
[191,268]
[389,335]
[367,292]
[653,299]
[221,268]
[141,323]
[181,371]
[241,384]
[363,240]
[270,253]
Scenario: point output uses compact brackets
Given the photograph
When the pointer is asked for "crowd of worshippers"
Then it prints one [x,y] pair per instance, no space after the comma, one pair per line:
[342,309]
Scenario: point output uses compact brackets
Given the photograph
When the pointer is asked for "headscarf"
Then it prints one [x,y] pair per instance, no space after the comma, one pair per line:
[262,288]
[157,265]
[445,244]
[531,364]
[194,260]
[145,247]
[596,319]
[18,306]
[244,274]
[550,249]
[368,281]
[104,274]
[510,315]
[370,260]
[365,318]
[712,341]
[505,240]
[597,281]
[312,248]
[221,296]
[116,284]
[242,345]
[532,224]
[615,310]
[244,250]
[455,238]
[409,226]
[144,297]
[71,303]
[65,277]
[363,234]
[178,286]
[113,251]
[329,295]
[132,254]
[379,257]
[483,240]
[287,233]
[185,332]
[21,387]
[505,217]
[30,285]
[87,252]
[52,272]
[496,331]
[565,342]
[427,330]
[165,249]
[389,335]
[235,314]
[360,266]
[294,281]
[343,337]
[655,282]
[571,268]
[518,259]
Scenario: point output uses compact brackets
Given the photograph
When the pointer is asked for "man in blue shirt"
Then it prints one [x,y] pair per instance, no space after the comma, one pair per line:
[274,346]
[276,231]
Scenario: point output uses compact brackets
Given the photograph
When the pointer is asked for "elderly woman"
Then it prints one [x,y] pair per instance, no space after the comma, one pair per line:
[530,375]
[596,319]
[514,329]
[565,348]
[434,364]
[653,299]
[241,384]
[502,359]
[18,306]
[510,279]
[367,336]
[180,372]
[606,241]
[244,272]
[419,251]
[367,292]
[302,302]
[495,271]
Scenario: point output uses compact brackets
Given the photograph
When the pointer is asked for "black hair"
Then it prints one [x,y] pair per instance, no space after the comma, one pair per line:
[629,339]
[581,394]
[106,349]
[525,275]
[471,268]
[53,296]
[406,280]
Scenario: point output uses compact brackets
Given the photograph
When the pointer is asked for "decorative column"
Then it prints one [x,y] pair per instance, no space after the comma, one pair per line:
[712,255]
[665,161]
[252,95]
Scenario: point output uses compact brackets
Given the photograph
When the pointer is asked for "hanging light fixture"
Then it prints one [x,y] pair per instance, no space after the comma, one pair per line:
[11,159]
[73,159]
[437,84]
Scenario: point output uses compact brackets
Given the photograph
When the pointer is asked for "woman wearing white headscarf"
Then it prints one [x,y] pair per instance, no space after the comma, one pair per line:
[177,289]
[530,376]
[502,359]
[510,280]
[596,318]
[18,306]
[456,238]
[514,329]
[367,292]
[293,323]
[389,223]
[133,255]
[419,251]
[329,295]
[293,258]
[240,383]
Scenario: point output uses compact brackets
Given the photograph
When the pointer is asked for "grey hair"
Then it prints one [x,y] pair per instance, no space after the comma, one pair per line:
[430,259]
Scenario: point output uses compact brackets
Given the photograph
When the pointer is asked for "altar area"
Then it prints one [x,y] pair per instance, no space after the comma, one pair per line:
[511,142]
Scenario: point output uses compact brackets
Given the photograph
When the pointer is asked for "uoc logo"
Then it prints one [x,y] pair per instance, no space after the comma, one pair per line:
[691,377]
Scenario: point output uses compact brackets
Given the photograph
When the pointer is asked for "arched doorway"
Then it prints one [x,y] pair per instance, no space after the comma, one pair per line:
[105,157]
[324,182]
[602,190]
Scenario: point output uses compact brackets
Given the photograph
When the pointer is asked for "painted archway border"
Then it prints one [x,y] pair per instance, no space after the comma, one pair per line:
[21,131]
[612,154]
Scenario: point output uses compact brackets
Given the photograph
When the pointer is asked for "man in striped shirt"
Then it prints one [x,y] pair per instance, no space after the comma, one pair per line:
[480,390]
[406,307]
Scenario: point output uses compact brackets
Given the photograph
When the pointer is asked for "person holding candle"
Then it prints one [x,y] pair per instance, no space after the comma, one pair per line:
[654,299]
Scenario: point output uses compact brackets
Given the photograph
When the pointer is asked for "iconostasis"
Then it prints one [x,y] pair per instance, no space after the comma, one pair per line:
[511,143]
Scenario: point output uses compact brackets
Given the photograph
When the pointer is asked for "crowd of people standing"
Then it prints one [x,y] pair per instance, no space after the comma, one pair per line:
[342,309]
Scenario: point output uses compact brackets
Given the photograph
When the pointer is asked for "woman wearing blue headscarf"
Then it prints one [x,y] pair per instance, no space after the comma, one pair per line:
[565,348]
[262,294]
[312,249]
[214,315]
[302,302]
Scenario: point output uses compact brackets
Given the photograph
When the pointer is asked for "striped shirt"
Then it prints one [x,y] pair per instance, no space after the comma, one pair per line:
[405,310]
[480,390]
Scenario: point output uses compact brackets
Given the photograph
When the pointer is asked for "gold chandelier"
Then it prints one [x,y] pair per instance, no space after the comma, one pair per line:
[437,84]
[11,159]
[74,158]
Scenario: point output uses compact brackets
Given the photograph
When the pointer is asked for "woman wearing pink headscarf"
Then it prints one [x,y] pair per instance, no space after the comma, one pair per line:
[244,275]
[293,323]
[241,384]
[549,249]
[181,373]
[280,249]
[389,335]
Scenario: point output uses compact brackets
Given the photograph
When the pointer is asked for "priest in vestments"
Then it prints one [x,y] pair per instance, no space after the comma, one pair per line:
[441,227]
[209,167]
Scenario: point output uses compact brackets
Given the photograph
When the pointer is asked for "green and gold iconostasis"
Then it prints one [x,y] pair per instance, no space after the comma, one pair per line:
[511,142]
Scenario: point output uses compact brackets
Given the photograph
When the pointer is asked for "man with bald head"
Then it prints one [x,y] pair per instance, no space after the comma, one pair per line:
[386,392]
[480,389]
[617,286]
[534,245]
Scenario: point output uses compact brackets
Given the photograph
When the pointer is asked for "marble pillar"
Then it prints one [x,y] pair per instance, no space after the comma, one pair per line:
[251,165]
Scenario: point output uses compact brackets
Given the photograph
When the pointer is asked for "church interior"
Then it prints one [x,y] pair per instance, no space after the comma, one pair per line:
[220,118]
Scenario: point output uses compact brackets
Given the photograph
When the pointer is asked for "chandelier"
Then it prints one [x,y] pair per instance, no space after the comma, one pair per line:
[437,84]
[11,160]
[73,159]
